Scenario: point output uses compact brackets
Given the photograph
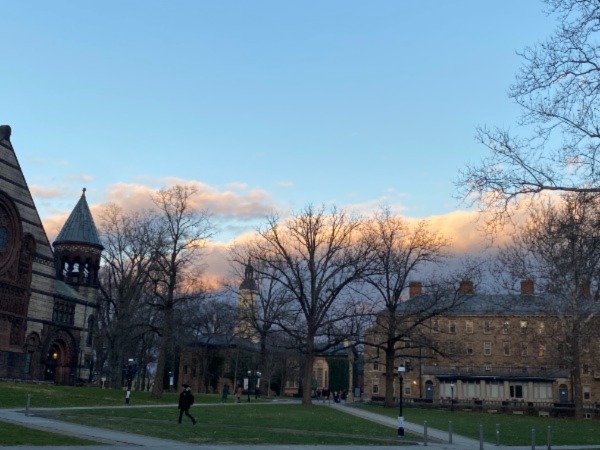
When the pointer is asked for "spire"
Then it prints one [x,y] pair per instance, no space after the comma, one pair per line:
[249,282]
[79,227]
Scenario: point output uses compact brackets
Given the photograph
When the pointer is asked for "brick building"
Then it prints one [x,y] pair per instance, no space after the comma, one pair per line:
[493,349]
[47,295]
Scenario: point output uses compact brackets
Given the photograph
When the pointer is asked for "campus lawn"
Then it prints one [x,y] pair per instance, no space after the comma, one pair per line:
[244,424]
[16,435]
[514,430]
[14,395]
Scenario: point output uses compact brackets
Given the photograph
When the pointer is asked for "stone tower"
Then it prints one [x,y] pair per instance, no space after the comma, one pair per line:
[77,249]
[247,296]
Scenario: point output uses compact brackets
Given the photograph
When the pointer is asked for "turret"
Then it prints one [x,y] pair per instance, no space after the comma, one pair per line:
[77,249]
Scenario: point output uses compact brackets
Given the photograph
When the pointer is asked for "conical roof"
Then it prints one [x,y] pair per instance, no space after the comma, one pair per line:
[79,227]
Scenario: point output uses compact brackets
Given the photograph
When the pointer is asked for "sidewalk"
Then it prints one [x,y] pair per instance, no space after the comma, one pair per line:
[116,440]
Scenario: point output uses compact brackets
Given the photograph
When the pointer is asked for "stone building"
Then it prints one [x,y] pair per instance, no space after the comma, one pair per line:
[492,349]
[47,296]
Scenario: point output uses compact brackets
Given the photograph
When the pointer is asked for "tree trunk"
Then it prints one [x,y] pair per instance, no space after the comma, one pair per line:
[308,370]
[165,347]
[390,374]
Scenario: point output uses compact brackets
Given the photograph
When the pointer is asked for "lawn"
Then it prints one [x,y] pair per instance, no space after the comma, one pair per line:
[14,395]
[514,430]
[245,424]
[16,435]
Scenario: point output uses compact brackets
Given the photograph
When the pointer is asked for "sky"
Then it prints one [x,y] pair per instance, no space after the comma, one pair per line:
[262,105]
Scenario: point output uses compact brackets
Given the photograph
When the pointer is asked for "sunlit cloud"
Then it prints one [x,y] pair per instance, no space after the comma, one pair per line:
[46,192]
[284,184]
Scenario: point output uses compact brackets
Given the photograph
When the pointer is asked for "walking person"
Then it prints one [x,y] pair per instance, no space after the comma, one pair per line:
[238,394]
[186,400]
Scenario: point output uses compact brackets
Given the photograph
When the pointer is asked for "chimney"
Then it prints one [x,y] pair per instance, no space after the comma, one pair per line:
[415,288]
[466,287]
[527,287]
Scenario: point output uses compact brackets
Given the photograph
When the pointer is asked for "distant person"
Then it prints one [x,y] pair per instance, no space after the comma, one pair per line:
[238,394]
[186,400]
[225,393]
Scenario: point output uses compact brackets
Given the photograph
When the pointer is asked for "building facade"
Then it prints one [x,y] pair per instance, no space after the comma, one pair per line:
[48,296]
[490,349]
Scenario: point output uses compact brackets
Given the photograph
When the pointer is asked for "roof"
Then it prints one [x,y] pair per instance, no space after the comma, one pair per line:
[79,227]
[498,305]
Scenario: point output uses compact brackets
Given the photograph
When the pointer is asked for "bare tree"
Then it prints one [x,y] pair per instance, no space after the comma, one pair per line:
[400,251]
[174,272]
[559,248]
[558,89]
[265,309]
[315,256]
[128,242]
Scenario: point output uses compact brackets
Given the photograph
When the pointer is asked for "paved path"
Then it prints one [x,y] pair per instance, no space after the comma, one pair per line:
[116,440]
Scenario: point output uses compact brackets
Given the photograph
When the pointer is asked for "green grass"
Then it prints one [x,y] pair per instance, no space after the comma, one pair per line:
[16,435]
[246,424]
[14,395]
[514,430]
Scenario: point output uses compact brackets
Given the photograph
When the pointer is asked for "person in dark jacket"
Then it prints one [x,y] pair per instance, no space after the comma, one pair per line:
[186,400]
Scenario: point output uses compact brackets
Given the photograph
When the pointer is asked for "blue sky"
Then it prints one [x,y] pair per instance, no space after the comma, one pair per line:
[264,104]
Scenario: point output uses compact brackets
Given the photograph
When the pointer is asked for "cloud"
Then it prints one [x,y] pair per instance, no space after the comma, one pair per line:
[284,184]
[47,192]
[82,178]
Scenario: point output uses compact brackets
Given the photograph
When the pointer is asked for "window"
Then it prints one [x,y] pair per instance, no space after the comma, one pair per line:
[523,324]
[506,348]
[541,328]
[487,348]
[375,386]
[585,369]
[542,350]
[376,366]
[28,362]
[523,348]
[469,326]
[407,390]
[435,325]
[452,348]
[469,348]
[452,326]
[487,326]
[516,391]
[505,327]
[587,393]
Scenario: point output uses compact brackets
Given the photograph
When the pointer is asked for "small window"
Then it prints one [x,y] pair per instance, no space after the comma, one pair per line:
[28,362]
[487,326]
[585,369]
[487,348]
[587,393]
[452,326]
[542,350]
[541,328]
[524,349]
[505,327]
[469,326]
[375,386]
[435,325]
[376,366]
[523,326]
[506,348]
[469,348]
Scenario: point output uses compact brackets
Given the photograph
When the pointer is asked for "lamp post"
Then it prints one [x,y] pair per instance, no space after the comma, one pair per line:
[451,397]
[249,383]
[253,375]
[401,370]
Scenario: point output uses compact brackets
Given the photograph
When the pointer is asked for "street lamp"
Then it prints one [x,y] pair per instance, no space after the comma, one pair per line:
[451,397]
[401,370]
[253,375]
[249,383]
